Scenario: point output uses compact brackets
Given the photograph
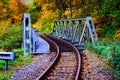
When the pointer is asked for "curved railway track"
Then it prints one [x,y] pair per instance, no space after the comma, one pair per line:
[54,48]
[66,65]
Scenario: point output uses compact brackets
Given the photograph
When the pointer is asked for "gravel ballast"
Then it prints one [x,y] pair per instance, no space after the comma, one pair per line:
[34,69]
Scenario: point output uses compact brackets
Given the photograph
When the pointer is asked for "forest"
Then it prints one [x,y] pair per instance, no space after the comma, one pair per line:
[105,14]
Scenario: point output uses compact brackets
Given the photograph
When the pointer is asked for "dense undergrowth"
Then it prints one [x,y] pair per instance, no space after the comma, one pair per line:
[109,50]
[10,38]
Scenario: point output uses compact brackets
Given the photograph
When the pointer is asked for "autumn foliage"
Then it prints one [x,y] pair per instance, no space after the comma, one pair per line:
[105,14]
[11,12]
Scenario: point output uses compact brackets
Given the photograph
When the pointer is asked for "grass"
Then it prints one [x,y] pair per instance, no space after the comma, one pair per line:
[19,62]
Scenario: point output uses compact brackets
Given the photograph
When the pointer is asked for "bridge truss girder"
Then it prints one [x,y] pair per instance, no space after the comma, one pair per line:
[78,31]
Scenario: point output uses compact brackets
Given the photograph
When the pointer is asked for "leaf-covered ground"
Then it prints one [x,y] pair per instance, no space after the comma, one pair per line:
[93,68]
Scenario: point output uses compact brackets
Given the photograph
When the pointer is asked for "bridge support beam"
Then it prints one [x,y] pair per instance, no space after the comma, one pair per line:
[26,34]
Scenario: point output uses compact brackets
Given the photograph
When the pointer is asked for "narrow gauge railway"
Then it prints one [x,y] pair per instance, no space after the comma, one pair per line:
[66,65]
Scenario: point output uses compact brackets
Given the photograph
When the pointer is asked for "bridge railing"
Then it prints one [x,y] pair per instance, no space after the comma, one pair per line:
[78,31]
[34,40]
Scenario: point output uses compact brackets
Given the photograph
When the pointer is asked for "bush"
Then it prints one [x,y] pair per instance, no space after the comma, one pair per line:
[12,38]
[2,64]
[110,52]
[108,31]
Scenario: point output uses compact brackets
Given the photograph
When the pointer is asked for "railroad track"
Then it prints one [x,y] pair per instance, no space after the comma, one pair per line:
[66,65]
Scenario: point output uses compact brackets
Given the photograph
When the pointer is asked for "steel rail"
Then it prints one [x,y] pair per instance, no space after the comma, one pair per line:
[55,46]
[72,47]
[77,54]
